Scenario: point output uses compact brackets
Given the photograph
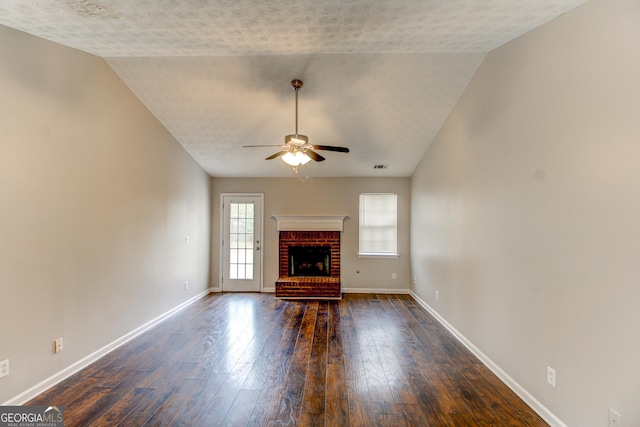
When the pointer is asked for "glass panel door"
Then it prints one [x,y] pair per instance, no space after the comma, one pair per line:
[241,243]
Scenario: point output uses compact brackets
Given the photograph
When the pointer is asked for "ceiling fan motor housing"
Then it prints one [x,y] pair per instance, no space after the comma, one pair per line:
[296,139]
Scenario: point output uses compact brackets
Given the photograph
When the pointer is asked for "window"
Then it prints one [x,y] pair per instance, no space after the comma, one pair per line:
[378,224]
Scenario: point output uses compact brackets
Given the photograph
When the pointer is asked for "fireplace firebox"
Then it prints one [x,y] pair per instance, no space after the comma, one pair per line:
[307,261]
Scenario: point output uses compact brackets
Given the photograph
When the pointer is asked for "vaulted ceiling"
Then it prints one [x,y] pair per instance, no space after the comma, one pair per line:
[380,76]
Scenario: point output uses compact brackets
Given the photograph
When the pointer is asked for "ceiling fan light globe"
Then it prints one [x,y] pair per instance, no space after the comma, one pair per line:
[302,158]
[296,158]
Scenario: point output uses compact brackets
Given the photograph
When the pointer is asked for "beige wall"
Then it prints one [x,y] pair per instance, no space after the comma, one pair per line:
[96,199]
[322,196]
[526,213]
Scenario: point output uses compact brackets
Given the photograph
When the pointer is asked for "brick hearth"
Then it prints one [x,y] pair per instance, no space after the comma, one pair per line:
[308,287]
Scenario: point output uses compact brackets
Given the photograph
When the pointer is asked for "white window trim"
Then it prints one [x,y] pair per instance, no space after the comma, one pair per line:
[378,255]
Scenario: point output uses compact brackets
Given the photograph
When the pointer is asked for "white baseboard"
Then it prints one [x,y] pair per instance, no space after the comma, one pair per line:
[39,388]
[538,407]
[374,291]
[217,290]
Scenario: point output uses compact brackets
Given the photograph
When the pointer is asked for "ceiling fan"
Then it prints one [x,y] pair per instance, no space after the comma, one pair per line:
[296,150]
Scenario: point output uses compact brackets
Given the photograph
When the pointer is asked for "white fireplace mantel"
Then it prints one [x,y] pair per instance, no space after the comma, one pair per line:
[310,223]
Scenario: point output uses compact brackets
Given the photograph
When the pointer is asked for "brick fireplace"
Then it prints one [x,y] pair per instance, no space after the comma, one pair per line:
[315,243]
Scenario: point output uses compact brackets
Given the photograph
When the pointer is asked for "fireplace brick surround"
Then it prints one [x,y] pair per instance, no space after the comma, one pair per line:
[309,238]
[308,287]
[309,231]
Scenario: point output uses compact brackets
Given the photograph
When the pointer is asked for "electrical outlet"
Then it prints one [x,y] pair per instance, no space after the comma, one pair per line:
[551,376]
[615,419]
[57,346]
[437,295]
[4,368]
[186,286]
[394,276]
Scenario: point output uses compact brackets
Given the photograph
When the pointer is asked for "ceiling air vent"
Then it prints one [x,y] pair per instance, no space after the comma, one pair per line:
[379,166]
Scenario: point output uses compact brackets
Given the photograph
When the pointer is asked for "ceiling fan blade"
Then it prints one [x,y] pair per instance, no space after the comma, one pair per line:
[331,148]
[276,155]
[314,156]
[266,145]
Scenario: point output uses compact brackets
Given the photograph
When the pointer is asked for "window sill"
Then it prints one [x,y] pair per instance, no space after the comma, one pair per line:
[377,255]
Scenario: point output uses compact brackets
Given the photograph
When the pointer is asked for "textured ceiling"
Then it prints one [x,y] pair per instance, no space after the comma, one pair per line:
[379,76]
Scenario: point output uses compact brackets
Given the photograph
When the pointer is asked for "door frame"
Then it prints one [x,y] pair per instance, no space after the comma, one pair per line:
[222,236]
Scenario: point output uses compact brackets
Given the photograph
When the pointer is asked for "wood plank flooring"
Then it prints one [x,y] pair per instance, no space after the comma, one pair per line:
[251,360]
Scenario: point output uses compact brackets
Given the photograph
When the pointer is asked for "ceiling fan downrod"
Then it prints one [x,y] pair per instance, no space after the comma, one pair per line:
[297,85]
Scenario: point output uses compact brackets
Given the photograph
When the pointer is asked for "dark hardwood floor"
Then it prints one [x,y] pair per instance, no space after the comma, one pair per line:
[252,360]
